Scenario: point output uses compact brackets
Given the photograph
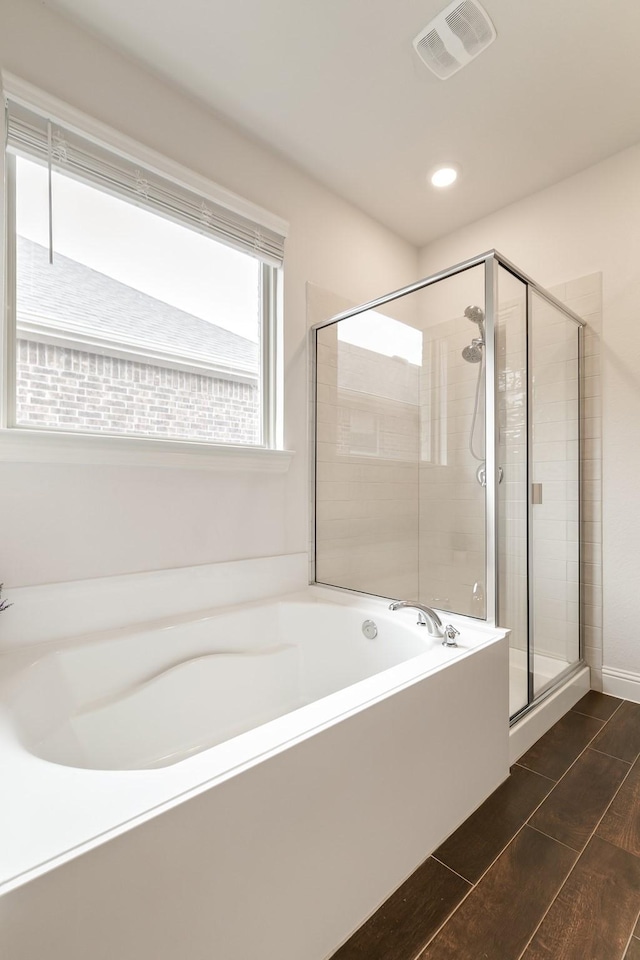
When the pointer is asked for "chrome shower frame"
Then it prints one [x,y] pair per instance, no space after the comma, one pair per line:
[492,260]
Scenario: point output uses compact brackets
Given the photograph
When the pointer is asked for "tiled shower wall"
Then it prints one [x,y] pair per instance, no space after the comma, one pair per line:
[554,361]
[584,296]
[553,354]
[556,573]
[366,464]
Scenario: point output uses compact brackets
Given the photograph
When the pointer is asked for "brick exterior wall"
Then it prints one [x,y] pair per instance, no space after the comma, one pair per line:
[75,390]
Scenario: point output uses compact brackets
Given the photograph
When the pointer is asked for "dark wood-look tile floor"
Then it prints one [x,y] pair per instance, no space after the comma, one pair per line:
[410,917]
[633,950]
[548,868]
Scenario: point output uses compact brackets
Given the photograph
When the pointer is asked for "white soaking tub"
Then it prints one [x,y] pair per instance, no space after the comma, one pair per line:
[252,782]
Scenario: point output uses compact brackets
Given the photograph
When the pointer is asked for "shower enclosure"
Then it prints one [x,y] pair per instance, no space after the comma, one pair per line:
[447,458]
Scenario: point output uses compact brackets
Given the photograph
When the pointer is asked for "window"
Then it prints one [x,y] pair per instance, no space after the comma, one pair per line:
[138,307]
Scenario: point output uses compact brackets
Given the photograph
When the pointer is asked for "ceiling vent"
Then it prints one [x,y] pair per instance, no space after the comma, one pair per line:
[455,37]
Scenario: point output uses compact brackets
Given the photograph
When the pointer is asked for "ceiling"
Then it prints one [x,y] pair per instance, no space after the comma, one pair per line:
[335,86]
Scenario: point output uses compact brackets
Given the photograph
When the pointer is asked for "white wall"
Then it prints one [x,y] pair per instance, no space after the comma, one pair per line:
[64,522]
[582,225]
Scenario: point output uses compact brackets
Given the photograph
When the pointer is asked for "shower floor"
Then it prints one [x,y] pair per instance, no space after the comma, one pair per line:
[545,670]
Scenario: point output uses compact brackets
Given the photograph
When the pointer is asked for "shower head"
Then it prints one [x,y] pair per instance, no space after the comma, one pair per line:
[473,352]
[475,314]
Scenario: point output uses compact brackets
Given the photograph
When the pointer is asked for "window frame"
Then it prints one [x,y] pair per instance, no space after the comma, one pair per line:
[23,442]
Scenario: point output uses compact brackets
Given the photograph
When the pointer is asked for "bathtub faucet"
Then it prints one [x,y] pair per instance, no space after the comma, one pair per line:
[426,616]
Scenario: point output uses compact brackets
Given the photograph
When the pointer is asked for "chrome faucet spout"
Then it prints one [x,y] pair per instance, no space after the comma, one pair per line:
[426,616]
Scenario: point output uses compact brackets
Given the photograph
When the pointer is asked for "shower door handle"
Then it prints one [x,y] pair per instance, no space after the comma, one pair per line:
[536,493]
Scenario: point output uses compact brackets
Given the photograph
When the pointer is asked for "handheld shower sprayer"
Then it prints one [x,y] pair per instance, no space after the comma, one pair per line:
[473,352]
[476,315]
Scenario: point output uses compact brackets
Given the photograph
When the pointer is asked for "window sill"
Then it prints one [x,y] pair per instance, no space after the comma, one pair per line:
[41,446]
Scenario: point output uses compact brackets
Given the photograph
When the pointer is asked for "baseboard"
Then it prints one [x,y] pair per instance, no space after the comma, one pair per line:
[621,683]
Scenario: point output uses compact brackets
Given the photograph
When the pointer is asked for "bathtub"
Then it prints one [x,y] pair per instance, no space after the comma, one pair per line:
[250,782]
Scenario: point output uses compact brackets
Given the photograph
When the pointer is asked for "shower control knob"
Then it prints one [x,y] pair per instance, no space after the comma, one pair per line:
[481,475]
[450,634]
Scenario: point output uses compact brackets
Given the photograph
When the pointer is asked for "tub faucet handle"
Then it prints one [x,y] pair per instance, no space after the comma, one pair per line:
[450,634]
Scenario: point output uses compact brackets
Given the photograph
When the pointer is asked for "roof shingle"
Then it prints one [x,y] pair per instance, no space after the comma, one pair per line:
[74,298]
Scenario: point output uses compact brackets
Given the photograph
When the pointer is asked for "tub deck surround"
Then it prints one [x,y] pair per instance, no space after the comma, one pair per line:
[387,746]
[59,611]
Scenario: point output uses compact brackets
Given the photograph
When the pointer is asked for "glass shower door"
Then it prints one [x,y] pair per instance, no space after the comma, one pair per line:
[368,369]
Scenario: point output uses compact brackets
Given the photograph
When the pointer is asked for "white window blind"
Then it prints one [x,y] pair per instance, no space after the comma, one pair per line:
[70,153]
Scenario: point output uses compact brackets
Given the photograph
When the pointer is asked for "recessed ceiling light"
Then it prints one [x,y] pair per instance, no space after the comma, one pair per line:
[444,176]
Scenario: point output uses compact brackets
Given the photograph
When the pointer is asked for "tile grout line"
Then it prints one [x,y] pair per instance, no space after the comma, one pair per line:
[520,829]
[443,864]
[449,915]
[550,779]
[580,854]
[573,710]
[562,844]
[621,699]
[611,756]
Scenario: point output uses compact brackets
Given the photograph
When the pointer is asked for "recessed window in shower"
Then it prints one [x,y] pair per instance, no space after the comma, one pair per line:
[367,430]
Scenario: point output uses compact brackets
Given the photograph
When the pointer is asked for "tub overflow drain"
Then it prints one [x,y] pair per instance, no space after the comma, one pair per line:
[369,629]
